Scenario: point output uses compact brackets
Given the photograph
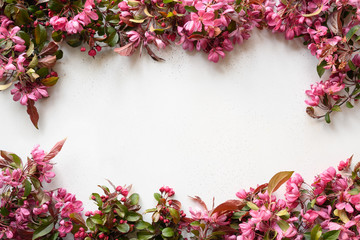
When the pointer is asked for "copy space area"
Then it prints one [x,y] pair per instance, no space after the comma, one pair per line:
[202,128]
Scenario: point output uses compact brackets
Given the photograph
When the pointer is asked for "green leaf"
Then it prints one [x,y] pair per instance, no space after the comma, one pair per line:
[34,62]
[57,36]
[55,5]
[22,17]
[4,211]
[312,203]
[25,37]
[43,72]
[349,105]
[59,54]
[144,235]
[336,108]
[43,230]
[278,179]
[124,228]
[74,40]
[175,215]
[16,159]
[314,13]
[316,232]
[98,199]
[352,65]
[320,68]
[354,191]
[30,49]
[351,32]
[327,117]
[331,235]
[157,196]
[51,81]
[252,206]
[90,224]
[97,219]
[190,9]
[134,199]
[54,236]
[36,183]
[137,20]
[40,34]
[283,225]
[283,214]
[113,39]
[133,217]
[141,225]
[167,232]
[27,188]
[167,1]
[9,10]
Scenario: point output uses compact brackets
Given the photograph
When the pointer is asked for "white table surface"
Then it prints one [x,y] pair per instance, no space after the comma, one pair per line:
[202,128]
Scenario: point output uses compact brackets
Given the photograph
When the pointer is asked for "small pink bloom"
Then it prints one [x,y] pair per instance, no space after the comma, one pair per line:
[310,216]
[58,23]
[344,205]
[73,26]
[320,200]
[215,54]
[344,165]
[241,194]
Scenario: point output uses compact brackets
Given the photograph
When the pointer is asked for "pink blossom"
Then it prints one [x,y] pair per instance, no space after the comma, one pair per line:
[134,37]
[73,26]
[344,205]
[59,23]
[344,165]
[320,200]
[65,228]
[318,32]
[202,17]
[20,63]
[310,216]
[38,154]
[41,210]
[21,215]
[123,6]
[242,194]
[247,231]
[215,54]
[198,214]
[87,15]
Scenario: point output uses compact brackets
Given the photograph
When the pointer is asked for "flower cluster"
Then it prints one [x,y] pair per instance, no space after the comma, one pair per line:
[27,210]
[329,29]
[329,208]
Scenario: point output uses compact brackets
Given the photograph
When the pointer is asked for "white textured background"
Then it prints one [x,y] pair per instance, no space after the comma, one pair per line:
[202,128]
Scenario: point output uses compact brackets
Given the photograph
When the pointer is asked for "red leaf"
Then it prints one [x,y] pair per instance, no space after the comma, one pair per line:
[77,218]
[259,188]
[126,20]
[49,49]
[47,62]
[200,201]
[196,37]
[55,150]
[153,55]
[33,113]
[126,50]
[228,206]
[176,204]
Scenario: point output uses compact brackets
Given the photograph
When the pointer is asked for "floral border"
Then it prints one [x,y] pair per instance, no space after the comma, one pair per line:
[327,209]
[32,31]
